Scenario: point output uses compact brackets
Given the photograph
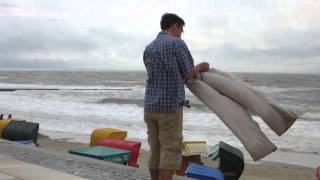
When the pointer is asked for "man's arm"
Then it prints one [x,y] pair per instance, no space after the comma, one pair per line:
[202,67]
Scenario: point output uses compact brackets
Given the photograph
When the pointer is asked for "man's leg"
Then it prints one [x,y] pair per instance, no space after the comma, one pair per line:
[170,138]
[154,173]
[154,159]
[166,174]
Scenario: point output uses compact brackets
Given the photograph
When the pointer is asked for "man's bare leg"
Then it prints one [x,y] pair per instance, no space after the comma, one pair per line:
[166,174]
[154,173]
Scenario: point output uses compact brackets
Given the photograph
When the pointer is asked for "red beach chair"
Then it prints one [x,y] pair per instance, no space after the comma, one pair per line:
[132,146]
[318,173]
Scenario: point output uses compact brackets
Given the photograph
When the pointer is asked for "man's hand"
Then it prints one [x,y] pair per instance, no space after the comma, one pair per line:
[202,67]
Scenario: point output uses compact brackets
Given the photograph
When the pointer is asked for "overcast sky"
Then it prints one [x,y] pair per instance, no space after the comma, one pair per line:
[233,35]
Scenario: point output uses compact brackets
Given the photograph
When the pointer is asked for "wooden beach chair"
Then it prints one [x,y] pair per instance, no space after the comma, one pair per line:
[191,153]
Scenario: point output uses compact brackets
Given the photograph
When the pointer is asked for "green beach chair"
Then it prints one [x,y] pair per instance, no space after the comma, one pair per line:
[231,160]
[103,153]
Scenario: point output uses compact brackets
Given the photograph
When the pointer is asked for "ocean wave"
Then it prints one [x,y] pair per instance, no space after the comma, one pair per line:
[138,102]
[297,151]
[60,87]
[309,116]
[273,89]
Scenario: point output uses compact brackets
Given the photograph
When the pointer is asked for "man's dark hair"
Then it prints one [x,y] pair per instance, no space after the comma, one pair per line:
[169,19]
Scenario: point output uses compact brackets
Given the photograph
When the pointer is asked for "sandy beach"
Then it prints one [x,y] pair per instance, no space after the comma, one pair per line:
[261,170]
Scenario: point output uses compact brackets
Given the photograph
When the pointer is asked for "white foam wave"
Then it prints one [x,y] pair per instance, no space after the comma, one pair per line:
[63,87]
[64,114]
[311,115]
[270,89]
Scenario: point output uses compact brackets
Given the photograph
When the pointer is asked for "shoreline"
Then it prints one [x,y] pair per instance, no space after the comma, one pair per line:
[261,170]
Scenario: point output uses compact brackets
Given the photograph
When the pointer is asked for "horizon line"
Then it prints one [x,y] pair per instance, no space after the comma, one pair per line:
[139,70]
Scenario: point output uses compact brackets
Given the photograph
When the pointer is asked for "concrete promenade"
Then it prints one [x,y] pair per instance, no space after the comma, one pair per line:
[31,163]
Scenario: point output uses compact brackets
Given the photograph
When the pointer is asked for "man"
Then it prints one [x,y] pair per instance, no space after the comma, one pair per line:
[169,65]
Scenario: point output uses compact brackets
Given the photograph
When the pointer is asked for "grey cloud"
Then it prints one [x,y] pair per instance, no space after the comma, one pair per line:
[124,45]
[7,5]
[281,38]
[279,52]
[44,36]
[34,64]
[279,45]
[96,46]
[37,35]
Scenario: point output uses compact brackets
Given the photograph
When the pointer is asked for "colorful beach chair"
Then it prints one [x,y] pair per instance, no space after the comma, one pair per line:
[201,172]
[132,146]
[103,133]
[21,131]
[103,153]
[231,159]
[191,151]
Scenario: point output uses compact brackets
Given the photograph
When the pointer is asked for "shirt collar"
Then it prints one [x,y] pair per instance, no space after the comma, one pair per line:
[163,33]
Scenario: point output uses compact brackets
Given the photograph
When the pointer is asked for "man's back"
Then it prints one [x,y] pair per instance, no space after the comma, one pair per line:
[167,60]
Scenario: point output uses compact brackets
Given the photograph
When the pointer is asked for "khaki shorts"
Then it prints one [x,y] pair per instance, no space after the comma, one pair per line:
[165,138]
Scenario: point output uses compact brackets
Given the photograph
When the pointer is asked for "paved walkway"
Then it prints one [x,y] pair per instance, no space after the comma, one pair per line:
[19,161]
[12,169]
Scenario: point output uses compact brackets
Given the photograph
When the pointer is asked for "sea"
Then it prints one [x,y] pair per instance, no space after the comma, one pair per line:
[71,104]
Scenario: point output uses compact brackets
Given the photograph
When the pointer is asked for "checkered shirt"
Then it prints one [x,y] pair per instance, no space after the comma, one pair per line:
[167,60]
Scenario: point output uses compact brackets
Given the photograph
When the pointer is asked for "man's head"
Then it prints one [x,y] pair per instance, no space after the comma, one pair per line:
[172,23]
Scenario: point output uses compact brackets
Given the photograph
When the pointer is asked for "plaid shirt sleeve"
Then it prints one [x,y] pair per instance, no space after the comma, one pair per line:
[184,58]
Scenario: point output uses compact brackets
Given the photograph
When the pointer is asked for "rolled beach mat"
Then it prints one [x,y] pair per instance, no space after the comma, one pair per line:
[235,117]
[277,118]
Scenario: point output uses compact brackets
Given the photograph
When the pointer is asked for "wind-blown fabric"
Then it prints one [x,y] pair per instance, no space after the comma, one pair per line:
[277,118]
[230,98]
